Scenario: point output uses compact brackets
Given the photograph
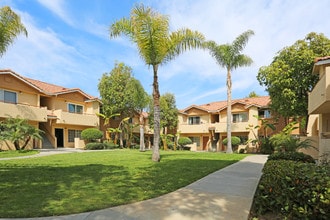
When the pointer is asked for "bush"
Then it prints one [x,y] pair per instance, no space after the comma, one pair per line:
[293,190]
[266,146]
[235,141]
[295,156]
[184,141]
[91,134]
[100,146]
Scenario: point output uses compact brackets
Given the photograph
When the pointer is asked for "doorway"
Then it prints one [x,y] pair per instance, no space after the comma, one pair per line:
[205,141]
[59,134]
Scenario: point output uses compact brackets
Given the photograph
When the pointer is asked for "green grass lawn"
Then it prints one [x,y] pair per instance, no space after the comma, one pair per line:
[17,153]
[79,182]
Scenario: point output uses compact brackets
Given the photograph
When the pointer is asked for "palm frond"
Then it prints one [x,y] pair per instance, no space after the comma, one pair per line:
[10,27]
[240,42]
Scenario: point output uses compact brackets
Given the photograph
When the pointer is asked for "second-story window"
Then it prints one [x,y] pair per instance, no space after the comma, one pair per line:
[8,97]
[73,108]
[240,117]
[194,120]
[265,113]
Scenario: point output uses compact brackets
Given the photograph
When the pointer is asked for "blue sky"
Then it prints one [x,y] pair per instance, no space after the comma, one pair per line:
[69,43]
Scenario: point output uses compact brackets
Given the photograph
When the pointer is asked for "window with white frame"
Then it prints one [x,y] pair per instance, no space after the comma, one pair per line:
[73,108]
[240,117]
[195,140]
[72,134]
[8,96]
[265,113]
[195,120]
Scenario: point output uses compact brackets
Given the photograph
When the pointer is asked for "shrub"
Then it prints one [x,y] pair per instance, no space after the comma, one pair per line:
[293,190]
[91,134]
[295,156]
[95,146]
[266,147]
[235,141]
[184,141]
[100,146]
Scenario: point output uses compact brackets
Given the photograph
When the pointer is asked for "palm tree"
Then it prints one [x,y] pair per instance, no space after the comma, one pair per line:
[156,45]
[229,56]
[10,28]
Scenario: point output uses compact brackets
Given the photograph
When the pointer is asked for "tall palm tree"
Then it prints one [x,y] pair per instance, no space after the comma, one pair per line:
[149,30]
[229,56]
[10,28]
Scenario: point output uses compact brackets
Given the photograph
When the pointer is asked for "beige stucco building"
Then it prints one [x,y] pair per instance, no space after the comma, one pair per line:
[319,107]
[206,125]
[61,113]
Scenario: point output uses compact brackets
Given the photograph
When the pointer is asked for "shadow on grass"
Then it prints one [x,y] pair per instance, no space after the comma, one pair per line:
[32,191]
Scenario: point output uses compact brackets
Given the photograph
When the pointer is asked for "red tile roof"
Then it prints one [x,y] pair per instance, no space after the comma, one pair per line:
[262,101]
[47,88]
[317,59]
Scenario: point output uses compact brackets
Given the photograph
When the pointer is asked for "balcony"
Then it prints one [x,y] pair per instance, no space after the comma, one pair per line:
[64,117]
[32,113]
[219,127]
[319,98]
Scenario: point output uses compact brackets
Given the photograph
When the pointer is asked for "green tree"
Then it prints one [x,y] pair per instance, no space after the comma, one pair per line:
[121,93]
[168,115]
[289,79]
[229,56]
[252,94]
[19,132]
[149,30]
[10,28]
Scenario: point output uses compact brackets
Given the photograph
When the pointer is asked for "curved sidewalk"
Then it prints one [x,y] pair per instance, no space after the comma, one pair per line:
[225,194]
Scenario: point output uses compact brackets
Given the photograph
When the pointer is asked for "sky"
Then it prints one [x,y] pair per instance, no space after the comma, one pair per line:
[68,42]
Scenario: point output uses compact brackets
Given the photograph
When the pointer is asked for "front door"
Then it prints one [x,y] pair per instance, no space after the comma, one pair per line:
[205,140]
[59,134]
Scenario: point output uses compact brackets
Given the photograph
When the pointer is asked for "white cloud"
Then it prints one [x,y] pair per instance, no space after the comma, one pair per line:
[58,8]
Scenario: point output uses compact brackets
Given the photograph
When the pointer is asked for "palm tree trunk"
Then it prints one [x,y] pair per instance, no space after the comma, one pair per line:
[156,95]
[229,147]
[142,147]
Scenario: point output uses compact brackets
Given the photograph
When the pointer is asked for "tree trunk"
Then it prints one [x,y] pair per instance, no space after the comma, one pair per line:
[156,95]
[141,120]
[229,147]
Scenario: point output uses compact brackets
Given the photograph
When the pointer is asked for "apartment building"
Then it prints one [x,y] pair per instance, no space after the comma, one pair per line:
[61,113]
[319,107]
[206,125]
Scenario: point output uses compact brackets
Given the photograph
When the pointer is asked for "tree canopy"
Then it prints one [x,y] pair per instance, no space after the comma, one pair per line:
[121,93]
[289,79]
[168,112]
[157,45]
[230,57]
[19,132]
[10,27]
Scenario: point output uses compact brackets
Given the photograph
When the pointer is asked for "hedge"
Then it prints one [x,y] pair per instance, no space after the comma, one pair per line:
[293,190]
[100,146]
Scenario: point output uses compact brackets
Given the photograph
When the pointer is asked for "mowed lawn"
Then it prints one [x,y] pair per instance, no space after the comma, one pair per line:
[79,182]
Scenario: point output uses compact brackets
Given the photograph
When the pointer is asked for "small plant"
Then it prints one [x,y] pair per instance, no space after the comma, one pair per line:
[183,141]
[91,134]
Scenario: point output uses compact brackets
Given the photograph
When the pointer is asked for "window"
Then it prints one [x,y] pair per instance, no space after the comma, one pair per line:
[265,114]
[240,117]
[73,134]
[73,108]
[244,139]
[7,96]
[194,120]
[195,140]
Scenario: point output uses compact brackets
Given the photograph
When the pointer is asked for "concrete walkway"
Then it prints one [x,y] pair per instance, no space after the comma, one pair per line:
[225,194]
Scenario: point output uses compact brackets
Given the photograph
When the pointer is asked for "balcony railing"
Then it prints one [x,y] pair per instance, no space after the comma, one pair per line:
[218,127]
[32,113]
[64,117]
